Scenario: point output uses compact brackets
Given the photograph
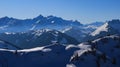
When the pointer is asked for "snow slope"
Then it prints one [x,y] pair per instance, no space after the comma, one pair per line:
[104,52]
[48,56]
[81,32]
[111,27]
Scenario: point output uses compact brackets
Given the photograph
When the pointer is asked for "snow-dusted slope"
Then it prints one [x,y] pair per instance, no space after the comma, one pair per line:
[48,56]
[81,32]
[111,27]
[103,28]
[104,52]
[37,38]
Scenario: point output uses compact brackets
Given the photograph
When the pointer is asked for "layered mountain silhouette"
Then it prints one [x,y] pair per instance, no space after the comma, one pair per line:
[37,38]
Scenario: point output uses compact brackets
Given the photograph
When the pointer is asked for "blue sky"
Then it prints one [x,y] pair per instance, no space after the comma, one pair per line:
[86,11]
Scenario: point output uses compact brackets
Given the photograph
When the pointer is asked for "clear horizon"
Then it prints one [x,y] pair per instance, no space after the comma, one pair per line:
[85,11]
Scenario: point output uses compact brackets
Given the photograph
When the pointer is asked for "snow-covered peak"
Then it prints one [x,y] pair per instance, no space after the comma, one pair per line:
[100,29]
[111,27]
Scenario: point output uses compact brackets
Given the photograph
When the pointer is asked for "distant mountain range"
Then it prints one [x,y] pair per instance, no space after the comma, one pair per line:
[9,24]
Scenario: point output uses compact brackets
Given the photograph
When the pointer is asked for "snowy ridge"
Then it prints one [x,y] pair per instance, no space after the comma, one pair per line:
[81,32]
[111,27]
[57,54]
[100,29]
[104,52]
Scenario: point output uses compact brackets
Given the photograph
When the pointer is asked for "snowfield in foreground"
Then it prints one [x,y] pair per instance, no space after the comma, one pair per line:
[47,56]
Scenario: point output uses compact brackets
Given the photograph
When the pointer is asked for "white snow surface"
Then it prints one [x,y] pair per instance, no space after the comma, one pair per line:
[47,56]
[111,27]
[100,29]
